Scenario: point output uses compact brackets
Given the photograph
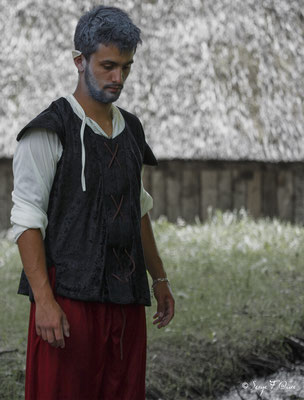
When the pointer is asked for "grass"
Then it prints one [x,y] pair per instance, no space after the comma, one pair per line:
[14,312]
[238,286]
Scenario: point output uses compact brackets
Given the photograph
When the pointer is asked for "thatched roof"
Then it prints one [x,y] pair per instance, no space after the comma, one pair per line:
[214,79]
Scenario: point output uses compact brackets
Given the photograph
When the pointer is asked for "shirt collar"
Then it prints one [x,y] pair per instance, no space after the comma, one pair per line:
[118,122]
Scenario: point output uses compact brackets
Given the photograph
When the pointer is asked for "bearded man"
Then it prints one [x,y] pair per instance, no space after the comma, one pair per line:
[81,222]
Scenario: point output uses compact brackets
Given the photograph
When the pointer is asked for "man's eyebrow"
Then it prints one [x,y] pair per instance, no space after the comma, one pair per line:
[115,63]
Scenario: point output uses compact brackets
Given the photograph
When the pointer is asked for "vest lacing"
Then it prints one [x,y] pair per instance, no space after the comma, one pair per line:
[113,154]
[117,206]
[118,211]
[124,277]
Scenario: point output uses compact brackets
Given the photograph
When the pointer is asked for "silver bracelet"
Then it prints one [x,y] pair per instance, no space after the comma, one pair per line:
[156,281]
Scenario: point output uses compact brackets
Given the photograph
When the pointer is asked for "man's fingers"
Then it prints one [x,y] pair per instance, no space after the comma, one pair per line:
[159,319]
[170,311]
[65,326]
[51,323]
[61,331]
[59,337]
[165,315]
[165,305]
[51,337]
[38,330]
[158,314]
[43,334]
[161,307]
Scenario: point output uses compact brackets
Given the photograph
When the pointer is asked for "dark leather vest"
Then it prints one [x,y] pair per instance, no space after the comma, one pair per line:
[93,237]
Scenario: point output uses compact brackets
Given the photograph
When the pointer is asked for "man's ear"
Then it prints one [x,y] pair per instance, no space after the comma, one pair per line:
[80,63]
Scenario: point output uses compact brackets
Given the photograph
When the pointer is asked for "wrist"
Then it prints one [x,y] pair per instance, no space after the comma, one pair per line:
[159,281]
[43,296]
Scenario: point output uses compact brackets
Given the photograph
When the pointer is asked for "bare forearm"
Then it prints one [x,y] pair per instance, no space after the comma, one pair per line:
[50,320]
[153,261]
[32,252]
[162,291]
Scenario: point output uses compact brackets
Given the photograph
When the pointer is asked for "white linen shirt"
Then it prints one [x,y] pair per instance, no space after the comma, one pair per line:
[34,167]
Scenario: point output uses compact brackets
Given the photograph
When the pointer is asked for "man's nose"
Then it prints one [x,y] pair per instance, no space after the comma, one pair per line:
[117,76]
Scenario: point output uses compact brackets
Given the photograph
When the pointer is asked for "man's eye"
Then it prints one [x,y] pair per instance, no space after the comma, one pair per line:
[108,67]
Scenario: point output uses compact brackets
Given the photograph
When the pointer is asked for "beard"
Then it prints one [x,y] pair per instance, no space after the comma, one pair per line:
[100,95]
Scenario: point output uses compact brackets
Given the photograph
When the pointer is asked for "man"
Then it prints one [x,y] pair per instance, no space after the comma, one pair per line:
[82,226]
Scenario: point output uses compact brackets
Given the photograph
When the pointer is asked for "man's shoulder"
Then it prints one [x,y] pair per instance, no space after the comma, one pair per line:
[49,119]
[137,130]
[130,118]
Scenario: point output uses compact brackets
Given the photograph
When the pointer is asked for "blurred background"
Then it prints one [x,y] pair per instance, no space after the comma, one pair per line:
[218,85]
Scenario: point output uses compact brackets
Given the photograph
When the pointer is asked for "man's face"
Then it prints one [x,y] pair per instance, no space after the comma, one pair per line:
[106,73]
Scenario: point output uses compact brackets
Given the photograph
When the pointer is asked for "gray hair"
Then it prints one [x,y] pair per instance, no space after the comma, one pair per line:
[105,25]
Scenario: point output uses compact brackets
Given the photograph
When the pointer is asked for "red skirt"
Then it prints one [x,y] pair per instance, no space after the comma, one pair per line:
[104,358]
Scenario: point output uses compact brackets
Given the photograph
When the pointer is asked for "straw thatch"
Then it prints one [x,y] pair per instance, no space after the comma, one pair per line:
[214,79]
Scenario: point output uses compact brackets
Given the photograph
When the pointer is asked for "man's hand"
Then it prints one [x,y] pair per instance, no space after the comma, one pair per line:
[51,323]
[162,291]
[165,304]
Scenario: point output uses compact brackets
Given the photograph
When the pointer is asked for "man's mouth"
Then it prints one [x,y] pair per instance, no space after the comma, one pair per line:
[114,88]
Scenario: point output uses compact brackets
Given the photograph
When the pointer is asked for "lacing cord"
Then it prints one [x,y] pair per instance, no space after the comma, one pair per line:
[121,278]
[125,278]
[117,206]
[119,262]
[133,263]
[83,183]
[113,154]
[83,124]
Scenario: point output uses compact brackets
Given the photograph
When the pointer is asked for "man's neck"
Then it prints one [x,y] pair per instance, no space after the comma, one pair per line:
[101,113]
[95,110]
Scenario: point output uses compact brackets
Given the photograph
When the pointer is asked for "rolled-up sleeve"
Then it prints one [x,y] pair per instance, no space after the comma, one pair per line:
[146,200]
[34,167]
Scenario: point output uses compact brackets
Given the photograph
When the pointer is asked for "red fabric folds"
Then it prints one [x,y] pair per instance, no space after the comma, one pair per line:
[104,358]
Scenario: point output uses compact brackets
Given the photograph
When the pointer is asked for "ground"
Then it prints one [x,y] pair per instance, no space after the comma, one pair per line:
[238,289]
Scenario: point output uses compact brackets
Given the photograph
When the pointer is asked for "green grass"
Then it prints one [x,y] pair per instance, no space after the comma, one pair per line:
[14,311]
[238,286]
